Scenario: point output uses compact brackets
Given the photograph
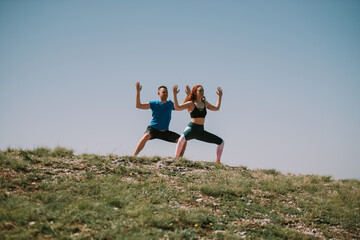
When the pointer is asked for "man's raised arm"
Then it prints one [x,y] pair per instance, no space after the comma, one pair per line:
[138,102]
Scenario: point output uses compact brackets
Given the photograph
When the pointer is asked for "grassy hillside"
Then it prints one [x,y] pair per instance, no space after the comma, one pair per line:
[53,194]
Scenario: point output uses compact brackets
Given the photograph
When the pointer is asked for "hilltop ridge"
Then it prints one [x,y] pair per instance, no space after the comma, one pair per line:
[52,193]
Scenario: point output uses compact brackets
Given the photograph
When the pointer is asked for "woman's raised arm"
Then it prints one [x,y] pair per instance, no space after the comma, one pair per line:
[182,106]
[218,104]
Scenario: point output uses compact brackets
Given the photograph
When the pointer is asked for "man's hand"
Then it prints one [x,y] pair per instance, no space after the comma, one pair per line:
[138,87]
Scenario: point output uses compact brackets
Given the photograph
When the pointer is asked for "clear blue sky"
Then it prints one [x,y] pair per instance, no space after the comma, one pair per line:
[290,72]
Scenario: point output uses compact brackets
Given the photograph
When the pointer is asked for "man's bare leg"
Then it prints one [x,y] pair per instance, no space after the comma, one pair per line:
[141,143]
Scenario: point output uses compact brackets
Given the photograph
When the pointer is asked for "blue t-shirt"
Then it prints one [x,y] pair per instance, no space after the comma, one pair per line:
[161,114]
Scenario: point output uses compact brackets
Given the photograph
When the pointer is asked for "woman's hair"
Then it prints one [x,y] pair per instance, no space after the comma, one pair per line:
[192,95]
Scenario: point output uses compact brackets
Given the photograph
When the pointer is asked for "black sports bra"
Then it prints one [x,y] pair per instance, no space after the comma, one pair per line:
[198,113]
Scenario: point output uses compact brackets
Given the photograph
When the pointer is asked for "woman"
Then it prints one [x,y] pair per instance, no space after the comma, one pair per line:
[196,104]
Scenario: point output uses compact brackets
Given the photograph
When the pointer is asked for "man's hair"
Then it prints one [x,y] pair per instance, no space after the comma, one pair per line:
[162,87]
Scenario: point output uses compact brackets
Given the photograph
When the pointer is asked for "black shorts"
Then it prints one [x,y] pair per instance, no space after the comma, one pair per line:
[164,135]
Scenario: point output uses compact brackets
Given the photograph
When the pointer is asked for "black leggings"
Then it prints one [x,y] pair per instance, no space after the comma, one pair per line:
[196,131]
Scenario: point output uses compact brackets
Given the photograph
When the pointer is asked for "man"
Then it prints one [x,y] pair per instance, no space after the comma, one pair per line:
[161,113]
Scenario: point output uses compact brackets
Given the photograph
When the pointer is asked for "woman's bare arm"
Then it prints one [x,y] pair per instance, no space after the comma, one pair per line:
[182,106]
[218,104]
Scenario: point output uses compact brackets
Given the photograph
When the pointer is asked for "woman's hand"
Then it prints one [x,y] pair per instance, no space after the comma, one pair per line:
[187,90]
[175,89]
[219,91]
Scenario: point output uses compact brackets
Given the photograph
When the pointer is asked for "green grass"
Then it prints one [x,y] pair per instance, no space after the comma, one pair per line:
[54,194]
